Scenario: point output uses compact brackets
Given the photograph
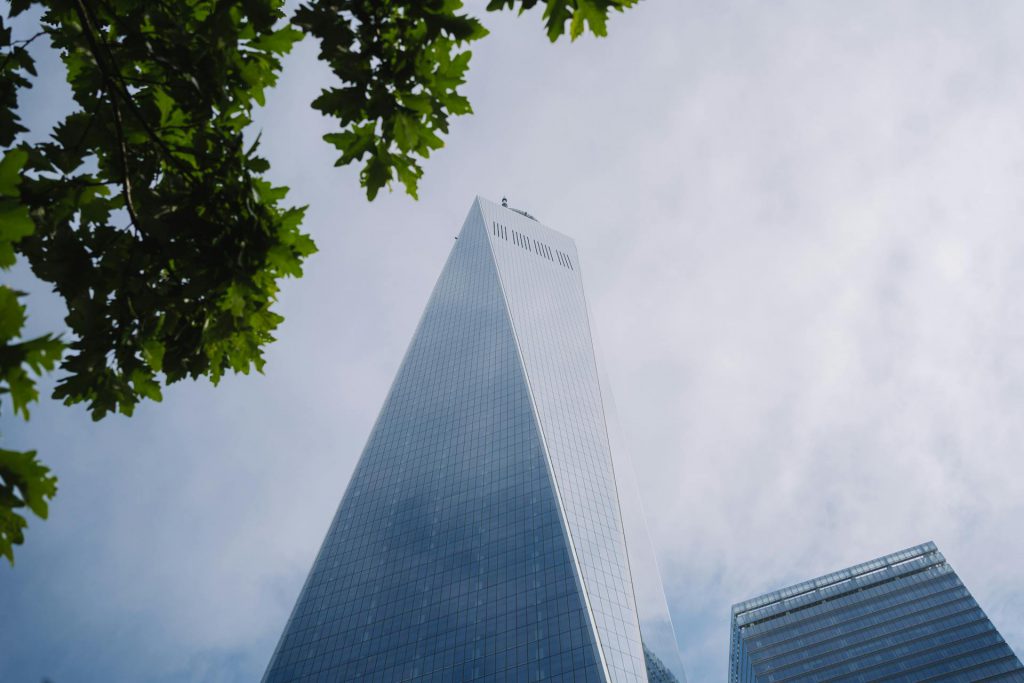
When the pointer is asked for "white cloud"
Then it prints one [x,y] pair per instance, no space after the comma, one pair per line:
[800,233]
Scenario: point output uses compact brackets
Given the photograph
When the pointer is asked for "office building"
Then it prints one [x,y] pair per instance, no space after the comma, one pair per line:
[902,617]
[481,536]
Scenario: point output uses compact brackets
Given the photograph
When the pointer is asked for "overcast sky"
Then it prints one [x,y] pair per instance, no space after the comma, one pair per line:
[800,228]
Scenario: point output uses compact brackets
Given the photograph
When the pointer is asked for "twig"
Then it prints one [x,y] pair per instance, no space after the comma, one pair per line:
[16,44]
[115,73]
[126,182]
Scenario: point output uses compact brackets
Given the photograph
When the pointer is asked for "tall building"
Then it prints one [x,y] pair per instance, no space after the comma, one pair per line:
[902,617]
[481,536]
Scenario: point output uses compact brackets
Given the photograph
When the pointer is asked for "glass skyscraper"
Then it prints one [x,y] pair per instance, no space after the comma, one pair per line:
[902,617]
[481,536]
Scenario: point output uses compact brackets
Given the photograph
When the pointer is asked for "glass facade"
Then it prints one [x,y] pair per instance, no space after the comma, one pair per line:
[657,671]
[540,277]
[480,538]
[902,617]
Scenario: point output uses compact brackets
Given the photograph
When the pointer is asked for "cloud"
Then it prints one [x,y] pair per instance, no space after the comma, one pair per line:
[799,231]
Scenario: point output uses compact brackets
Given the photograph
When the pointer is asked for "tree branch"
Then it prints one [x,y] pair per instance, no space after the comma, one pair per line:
[113,72]
[15,44]
[109,86]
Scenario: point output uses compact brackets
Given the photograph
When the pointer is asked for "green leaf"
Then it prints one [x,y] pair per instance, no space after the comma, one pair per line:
[344,103]
[10,171]
[283,260]
[354,144]
[12,315]
[15,224]
[42,353]
[595,16]
[406,131]
[24,482]
[144,385]
[428,141]
[153,353]
[32,481]
[279,42]
[409,173]
[376,175]
[457,104]
[19,6]
[304,245]
[166,105]
[234,299]
[21,388]
[417,102]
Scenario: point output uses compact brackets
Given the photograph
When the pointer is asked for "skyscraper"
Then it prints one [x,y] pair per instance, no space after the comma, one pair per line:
[902,617]
[481,536]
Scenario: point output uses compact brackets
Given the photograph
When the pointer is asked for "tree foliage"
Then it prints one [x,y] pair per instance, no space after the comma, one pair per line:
[149,214]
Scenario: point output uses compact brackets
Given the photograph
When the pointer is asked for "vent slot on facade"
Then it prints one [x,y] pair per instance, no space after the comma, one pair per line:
[531,245]
[543,249]
[521,240]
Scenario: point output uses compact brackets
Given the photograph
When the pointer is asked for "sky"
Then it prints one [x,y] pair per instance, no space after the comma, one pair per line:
[799,225]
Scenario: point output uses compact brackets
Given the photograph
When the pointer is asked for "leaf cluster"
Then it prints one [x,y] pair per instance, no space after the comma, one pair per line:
[578,14]
[151,217]
[400,65]
[145,210]
[153,220]
[24,482]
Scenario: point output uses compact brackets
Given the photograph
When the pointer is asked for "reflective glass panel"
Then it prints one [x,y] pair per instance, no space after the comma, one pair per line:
[903,617]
